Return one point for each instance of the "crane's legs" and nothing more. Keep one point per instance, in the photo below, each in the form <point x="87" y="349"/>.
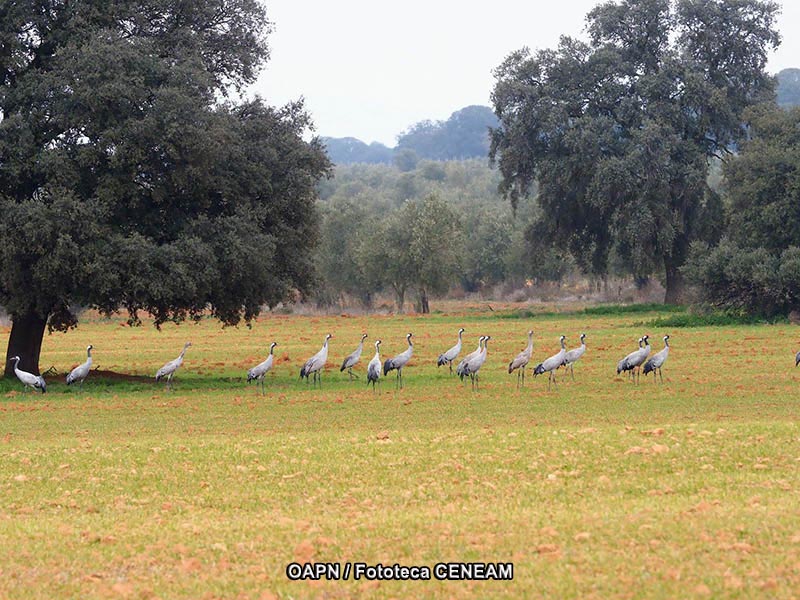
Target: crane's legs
<point x="352" y="375"/>
<point x="660" y="374"/>
<point x="572" y="371"/>
<point x="450" y="364"/>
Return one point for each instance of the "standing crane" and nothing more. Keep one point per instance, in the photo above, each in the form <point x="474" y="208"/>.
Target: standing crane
<point x="462" y="369"/>
<point x="573" y="356"/>
<point x="657" y="361"/>
<point x="352" y="360"/>
<point x="635" y="359"/>
<point x="399" y="361"/>
<point x="449" y="356"/>
<point x="80" y="372"/>
<point x="623" y="365"/>
<point x="316" y="363"/>
<point x="476" y="363"/>
<point x="29" y="380"/>
<point x="168" y="370"/>
<point x="521" y="360"/>
<point x="551" y="364"/>
<point x="374" y="366"/>
<point x="258" y="372"/>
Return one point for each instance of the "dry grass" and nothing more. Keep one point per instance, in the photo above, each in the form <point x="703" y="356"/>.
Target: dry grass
<point x="600" y="489"/>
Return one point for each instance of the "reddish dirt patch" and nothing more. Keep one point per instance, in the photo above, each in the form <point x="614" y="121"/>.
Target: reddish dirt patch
<point x="114" y="376"/>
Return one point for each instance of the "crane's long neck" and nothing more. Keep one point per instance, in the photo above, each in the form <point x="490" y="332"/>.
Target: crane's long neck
<point x="272" y="349"/>
<point x="89" y="352"/>
<point x="530" y="343"/>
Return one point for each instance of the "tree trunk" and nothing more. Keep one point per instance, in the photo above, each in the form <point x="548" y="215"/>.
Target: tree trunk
<point x="676" y="286"/>
<point x="25" y="341"/>
<point x="424" y="306"/>
<point x="400" y="294"/>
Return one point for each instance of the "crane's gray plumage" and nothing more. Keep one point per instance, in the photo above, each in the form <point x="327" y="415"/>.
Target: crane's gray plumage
<point x="258" y="372"/>
<point x="573" y="356"/>
<point x="352" y="360"/>
<point x="449" y="356"/>
<point x="657" y="361"/>
<point x="635" y="359"/>
<point x="29" y="380"/>
<point x="551" y="364"/>
<point x="399" y="361"/>
<point x="168" y="370"/>
<point x="462" y="370"/>
<point x="80" y="372"/>
<point x="474" y="365"/>
<point x="623" y="365"/>
<point x="316" y="363"/>
<point x="374" y="366"/>
<point x="521" y="360"/>
<point x="797" y="359"/>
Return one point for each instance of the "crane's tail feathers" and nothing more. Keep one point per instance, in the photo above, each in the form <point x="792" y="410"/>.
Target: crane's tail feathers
<point x="511" y="367"/>
<point x="441" y="360"/>
<point x="538" y="369"/>
<point x="648" y="367"/>
<point x="388" y="366"/>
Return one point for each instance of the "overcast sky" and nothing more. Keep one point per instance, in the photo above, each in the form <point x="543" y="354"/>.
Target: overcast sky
<point x="369" y="69"/>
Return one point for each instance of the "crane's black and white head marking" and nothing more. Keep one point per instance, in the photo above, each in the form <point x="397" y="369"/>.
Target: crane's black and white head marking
<point x="377" y="343"/>
<point x="583" y="336"/>
<point x="90" y="347"/>
<point x="460" y="331"/>
<point x="272" y="345"/>
<point x="363" y="337"/>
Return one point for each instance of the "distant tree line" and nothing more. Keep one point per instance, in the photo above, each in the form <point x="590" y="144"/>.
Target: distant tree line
<point x="418" y="234"/>
<point x="464" y="135"/>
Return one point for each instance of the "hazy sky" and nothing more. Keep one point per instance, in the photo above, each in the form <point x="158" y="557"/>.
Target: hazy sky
<point x="369" y="69"/>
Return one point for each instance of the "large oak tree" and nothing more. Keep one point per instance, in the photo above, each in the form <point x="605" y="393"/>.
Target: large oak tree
<point x="619" y="130"/>
<point x="130" y="180"/>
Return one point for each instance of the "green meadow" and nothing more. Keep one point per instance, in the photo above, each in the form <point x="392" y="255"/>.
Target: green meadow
<point x="597" y="489"/>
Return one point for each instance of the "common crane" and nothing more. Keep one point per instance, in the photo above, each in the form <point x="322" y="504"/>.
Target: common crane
<point x="462" y="370"/>
<point x="449" y="356"/>
<point x="316" y="363"/>
<point x="168" y="370"/>
<point x="474" y="365"/>
<point x="80" y="372"/>
<point x="521" y="360"/>
<point x="374" y="366"/>
<point x="352" y="360"/>
<point x="635" y="359"/>
<point x="657" y="361"/>
<point x="258" y="372"/>
<point x="551" y="364"/>
<point x="573" y="356"/>
<point x="399" y="361"/>
<point x="29" y="380"/>
<point x="623" y="364"/>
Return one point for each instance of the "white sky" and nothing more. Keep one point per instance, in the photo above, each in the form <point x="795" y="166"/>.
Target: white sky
<point x="369" y="69"/>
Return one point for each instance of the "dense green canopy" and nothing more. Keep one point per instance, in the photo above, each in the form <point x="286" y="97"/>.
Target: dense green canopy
<point x="618" y="131"/>
<point x="130" y="180"/>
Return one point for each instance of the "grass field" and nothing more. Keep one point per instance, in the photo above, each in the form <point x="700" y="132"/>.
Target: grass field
<point x="599" y="489"/>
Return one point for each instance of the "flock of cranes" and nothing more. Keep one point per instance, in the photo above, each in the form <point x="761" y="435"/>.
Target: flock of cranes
<point x="634" y="363"/>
